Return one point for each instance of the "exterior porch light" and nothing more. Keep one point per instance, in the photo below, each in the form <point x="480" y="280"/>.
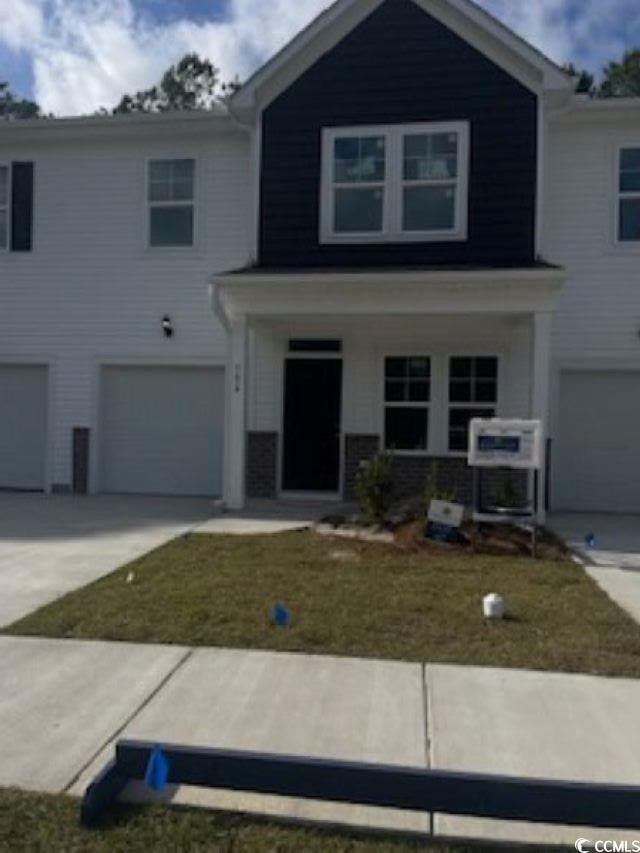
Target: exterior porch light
<point x="167" y="326"/>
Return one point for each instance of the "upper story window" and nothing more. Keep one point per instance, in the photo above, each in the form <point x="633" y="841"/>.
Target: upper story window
<point x="395" y="183"/>
<point x="171" y="195"/>
<point x="4" y="207"/>
<point x="629" y="195"/>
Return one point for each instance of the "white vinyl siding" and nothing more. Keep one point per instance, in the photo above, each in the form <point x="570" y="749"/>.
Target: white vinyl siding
<point x="23" y="426"/>
<point x="597" y="311"/>
<point x="93" y="292"/>
<point x="395" y="183"/>
<point x="161" y="430"/>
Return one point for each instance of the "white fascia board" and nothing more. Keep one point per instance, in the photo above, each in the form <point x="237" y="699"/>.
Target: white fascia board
<point x="303" y="51"/>
<point x="585" y="109"/>
<point x="473" y="24"/>
<point x="392" y="294"/>
<point x="553" y="76"/>
<point x="97" y="127"/>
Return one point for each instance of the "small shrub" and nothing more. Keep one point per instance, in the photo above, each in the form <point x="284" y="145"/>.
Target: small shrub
<point x="433" y="491"/>
<point x="506" y="495"/>
<point x="374" y="487"/>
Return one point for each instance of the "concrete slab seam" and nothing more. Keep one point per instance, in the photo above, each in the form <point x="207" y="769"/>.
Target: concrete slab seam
<point x="111" y="738"/>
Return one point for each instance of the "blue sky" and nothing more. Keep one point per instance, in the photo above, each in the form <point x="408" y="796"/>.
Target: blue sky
<point x="74" y="56"/>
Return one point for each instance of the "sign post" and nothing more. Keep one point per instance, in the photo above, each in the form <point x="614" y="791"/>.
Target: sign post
<point x="515" y="445"/>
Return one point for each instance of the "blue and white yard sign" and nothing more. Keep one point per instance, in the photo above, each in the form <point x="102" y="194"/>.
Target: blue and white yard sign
<point x="443" y="521"/>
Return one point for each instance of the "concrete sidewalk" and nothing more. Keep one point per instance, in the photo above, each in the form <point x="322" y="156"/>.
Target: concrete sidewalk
<point x="65" y="703"/>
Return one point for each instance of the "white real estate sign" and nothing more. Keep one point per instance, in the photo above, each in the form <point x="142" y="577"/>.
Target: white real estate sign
<point x="500" y="443"/>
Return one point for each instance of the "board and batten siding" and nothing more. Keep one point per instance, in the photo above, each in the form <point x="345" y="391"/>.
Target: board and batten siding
<point x="91" y="292"/>
<point x="400" y="65"/>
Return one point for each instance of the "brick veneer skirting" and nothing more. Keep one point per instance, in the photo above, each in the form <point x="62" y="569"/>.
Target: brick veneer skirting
<point x="410" y="472"/>
<point x="262" y="465"/>
<point x="357" y="449"/>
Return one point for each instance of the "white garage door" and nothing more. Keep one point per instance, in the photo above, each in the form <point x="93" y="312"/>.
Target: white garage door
<point x="596" y="456"/>
<point x="23" y="426"/>
<point x="161" y="430"/>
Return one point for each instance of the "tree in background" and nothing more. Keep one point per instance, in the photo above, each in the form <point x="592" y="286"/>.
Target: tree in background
<point x="622" y="79"/>
<point x="585" y="80"/>
<point x="15" y="108"/>
<point x="191" y="84"/>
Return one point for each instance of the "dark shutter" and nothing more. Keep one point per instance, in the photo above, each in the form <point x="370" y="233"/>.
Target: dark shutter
<point x="21" y="206"/>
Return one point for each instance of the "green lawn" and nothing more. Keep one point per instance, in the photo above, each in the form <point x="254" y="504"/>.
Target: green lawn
<point x="351" y="598"/>
<point x="42" y="823"/>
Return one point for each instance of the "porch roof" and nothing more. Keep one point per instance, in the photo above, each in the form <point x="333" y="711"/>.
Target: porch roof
<point x="264" y="292"/>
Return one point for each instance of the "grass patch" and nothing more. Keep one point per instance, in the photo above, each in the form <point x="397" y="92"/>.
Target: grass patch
<point x="353" y="598"/>
<point x="44" y="822"/>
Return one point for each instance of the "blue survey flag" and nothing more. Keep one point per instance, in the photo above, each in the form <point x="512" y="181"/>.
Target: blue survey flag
<point x="157" y="772"/>
<point x="280" y="616"/>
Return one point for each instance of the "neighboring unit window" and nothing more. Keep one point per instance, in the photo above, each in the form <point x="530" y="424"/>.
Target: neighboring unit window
<point x="407" y="394"/>
<point x="171" y="202"/>
<point x="629" y="196"/>
<point x="398" y="182"/>
<point x="473" y="393"/>
<point x="4" y="207"/>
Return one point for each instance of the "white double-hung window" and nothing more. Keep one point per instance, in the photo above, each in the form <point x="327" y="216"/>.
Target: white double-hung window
<point x="171" y="197"/>
<point x="629" y="195"/>
<point x="395" y="183"/>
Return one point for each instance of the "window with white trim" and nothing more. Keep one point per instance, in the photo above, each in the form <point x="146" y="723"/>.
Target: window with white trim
<point x="171" y="194"/>
<point x="473" y="393"/>
<point x="629" y="195"/>
<point x="395" y="183"/>
<point x="4" y="207"/>
<point x="407" y="394"/>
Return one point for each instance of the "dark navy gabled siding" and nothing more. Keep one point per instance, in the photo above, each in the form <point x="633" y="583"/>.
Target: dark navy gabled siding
<point x="401" y="65"/>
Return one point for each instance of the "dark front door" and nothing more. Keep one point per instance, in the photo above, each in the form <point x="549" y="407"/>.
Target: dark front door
<point x="311" y="455"/>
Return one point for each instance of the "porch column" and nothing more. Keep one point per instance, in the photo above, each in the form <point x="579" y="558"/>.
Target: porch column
<point x="541" y="370"/>
<point x="235" y="420"/>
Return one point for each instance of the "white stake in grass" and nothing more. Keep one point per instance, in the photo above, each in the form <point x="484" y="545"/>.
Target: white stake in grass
<point x="493" y="606"/>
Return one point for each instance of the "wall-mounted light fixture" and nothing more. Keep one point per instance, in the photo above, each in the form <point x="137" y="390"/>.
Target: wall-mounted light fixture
<point x="167" y="326"/>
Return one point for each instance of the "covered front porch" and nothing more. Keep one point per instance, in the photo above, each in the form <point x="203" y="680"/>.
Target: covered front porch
<point x="327" y="368"/>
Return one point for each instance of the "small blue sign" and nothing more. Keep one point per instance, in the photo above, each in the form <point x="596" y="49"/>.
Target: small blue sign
<point x="280" y="616"/>
<point x="157" y="772"/>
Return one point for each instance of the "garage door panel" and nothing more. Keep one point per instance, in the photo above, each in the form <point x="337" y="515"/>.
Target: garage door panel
<point x="597" y="449"/>
<point x="162" y="430"/>
<point x="23" y="426"/>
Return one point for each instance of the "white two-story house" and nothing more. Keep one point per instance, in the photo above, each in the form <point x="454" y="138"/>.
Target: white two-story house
<point x="404" y="220"/>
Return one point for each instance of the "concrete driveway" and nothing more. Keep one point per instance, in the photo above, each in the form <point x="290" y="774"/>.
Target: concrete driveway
<point x="50" y="545"/>
<point x="614" y="562"/>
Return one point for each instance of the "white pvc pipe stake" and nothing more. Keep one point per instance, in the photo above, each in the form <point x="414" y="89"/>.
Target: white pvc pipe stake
<point x="493" y="606"/>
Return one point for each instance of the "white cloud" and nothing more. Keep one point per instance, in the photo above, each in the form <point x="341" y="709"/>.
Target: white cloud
<point x="566" y="30"/>
<point x="87" y="53"/>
